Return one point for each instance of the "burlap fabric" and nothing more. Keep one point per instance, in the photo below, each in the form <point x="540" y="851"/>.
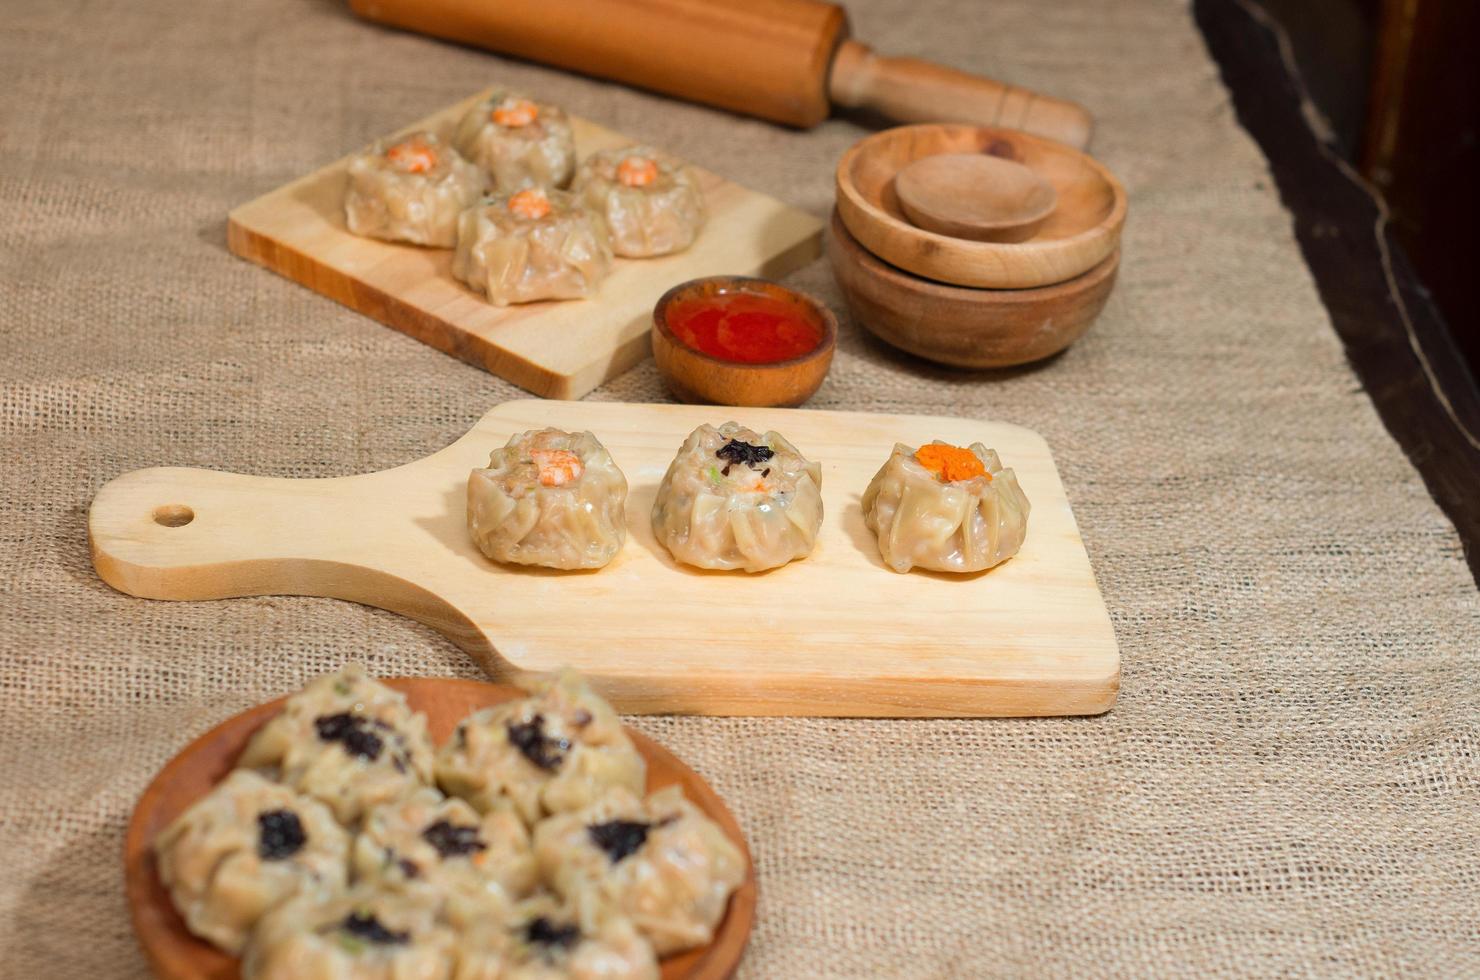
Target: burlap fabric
<point x="1289" y="783"/>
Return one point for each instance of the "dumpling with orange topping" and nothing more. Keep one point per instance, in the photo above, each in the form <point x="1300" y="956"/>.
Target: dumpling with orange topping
<point x="652" y="204"/>
<point x="945" y="508"/>
<point x="411" y="190"/>
<point x="531" y="245"/>
<point x="550" y="498"/>
<point x="518" y="142"/>
<point x="733" y="498"/>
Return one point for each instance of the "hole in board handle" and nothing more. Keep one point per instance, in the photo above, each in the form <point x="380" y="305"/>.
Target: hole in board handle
<point x="173" y="515"/>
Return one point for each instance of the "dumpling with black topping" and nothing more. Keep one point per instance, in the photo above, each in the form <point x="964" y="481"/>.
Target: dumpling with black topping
<point x="478" y="863"/>
<point x="367" y="933"/>
<point x="659" y="862"/>
<point x="546" y="939"/>
<point x="735" y="499"/>
<point x="556" y="750"/>
<point x="243" y="848"/>
<point x="348" y="740"/>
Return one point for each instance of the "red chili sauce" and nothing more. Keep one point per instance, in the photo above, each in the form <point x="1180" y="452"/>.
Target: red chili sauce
<point x="736" y="325"/>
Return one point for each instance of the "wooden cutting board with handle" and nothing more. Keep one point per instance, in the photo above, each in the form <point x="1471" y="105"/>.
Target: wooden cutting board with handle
<point x="835" y="634"/>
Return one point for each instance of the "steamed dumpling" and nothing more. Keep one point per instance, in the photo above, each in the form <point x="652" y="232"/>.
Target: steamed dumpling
<point x="545" y="939"/>
<point x="735" y="499"/>
<point x="652" y="203"/>
<point x="945" y="508"/>
<point x="478" y="864"/>
<point x="660" y="862"/>
<point x="242" y="849"/>
<point x="411" y="190"/>
<point x="549" y="498"/>
<point x="531" y="245"/>
<point x="556" y="750"/>
<point x="518" y="142"/>
<point x="348" y="740"/>
<point x="368" y="933"/>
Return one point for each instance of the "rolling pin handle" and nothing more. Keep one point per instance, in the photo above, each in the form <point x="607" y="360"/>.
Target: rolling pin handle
<point x="910" y="90"/>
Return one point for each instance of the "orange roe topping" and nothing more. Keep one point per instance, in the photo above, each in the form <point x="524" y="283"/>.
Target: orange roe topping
<point x="531" y="204"/>
<point x="413" y="156"/>
<point x="951" y="463"/>
<point x="515" y="113"/>
<point x="637" y="171"/>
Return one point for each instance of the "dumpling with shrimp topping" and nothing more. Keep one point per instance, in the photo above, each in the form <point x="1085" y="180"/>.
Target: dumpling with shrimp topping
<point x="518" y="142"/>
<point x="546" y="939"/>
<point x="652" y="204"/>
<point x="945" y="508"/>
<point x="531" y="245"/>
<point x="369" y="933"/>
<point x="556" y="750"/>
<point x="478" y="864"/>
<point x="347" y="740"/>
<point x="660" y="862"/>
<point x="551" y="498"/>
<point x="243" y="848"/>
<point x="736" y="499"/>
<point x="411" y="190"/>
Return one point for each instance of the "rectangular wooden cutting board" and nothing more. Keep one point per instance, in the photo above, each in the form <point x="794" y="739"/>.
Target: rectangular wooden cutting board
<point x="835" y="634"/>
<point x="558" y="349"/>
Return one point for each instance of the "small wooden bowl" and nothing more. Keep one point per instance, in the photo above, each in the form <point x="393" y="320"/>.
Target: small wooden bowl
<point x="698" y="378"/>
<point x="970" y="328"/>
<point x="176" y="954"/>
<point x="1083" y="230"/>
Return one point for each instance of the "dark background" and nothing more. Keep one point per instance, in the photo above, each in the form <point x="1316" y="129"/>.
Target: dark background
<point x="1368" y="111"/>
<point x="1398" y="83"/>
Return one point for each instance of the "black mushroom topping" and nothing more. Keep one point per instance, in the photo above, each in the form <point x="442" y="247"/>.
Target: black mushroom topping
<point x="619" y="838"/>
<point x="279" y="835"/>
<point x="451" y="840"/>
<point x="543" y="932"/>
<point x="352" y="732"/>
<point x="736" y="451"/>
<point x="544" y="751"/>
<point x="366" y="926"/>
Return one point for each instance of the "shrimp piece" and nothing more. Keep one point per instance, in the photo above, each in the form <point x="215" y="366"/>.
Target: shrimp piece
<point x="637" y="172"/>
<point x="531" y="203"/>
<point x="412" y="156"/>
<point x="515" y="113"/>
<point x="557" y="467"/>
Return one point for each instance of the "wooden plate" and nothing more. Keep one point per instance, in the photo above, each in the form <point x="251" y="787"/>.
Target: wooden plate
<point x="175" y="954"/>
<point x="1083" y="230"/>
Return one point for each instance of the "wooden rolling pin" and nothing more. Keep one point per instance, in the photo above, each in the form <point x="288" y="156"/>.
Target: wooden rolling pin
<point x="785" y="60"/>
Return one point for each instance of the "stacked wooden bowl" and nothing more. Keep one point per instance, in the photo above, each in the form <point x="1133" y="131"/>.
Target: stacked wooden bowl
<point x="961" y="300"/>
